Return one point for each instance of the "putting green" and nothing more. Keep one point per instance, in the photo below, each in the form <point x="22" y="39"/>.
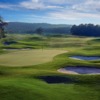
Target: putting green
<point x="28" y="57"/>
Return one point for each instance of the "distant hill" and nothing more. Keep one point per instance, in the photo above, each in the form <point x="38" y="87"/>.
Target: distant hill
<point x="21" y="27"/>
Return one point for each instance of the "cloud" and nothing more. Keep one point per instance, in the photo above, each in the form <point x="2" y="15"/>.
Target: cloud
<point x="32" y="4"/>
<point x="7" y="6"/>
<point x="73" y="15"/>
<point x="62" y="1"/>
<point x="77" y="5"/>
<point x="88" y="6"/>
<point x="89" y="9"/>
<point x="47" y="4"/>
<point x="66" y="9"/>
<point x="4" y="6"/>
<point x="38" y="4"/>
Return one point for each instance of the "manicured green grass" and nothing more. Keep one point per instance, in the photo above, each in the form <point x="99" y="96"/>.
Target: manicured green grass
<point x="28" y="57"/>
<point x="22" y="83"/>
<point x="32" y="89"/>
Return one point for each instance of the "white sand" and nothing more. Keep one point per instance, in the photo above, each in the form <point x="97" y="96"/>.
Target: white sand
<point x="63" y="70"/>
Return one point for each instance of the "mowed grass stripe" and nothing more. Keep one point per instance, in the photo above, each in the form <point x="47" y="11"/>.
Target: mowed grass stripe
<point x="28" y="57"/>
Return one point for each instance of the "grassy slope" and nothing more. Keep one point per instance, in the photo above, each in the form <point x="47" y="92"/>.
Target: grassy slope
<point x="19" y="83"/>
<point x="30" y="89"/>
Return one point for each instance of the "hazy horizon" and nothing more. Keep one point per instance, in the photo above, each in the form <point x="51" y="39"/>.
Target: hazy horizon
<point x="51" y="11"/>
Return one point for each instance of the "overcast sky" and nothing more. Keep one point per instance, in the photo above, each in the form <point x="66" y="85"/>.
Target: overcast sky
<point x="51" y="11"/>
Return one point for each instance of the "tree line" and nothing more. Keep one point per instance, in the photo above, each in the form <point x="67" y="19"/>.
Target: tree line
<point x="2" y="31"/>
<point x="86" y="30"/>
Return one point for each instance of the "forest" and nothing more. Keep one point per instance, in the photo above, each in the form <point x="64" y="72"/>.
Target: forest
<point x="86" y="30"/>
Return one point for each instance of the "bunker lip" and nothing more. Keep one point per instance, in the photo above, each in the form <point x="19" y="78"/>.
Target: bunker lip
<point x="63" y="70"/>
<point x="89" y="58"/>
<point x="80" y="70"/>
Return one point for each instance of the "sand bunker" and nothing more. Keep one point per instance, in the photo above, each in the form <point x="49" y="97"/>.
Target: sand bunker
<point x="86" y="57"/>
<point x="80" y="70"/>
<point x="57" y="79"/>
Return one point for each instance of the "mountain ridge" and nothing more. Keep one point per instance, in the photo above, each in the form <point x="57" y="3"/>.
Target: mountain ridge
<point x="23" y="27"/>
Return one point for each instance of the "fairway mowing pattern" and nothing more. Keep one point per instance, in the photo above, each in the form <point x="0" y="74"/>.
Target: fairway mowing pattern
<point x="28" y="57"/>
